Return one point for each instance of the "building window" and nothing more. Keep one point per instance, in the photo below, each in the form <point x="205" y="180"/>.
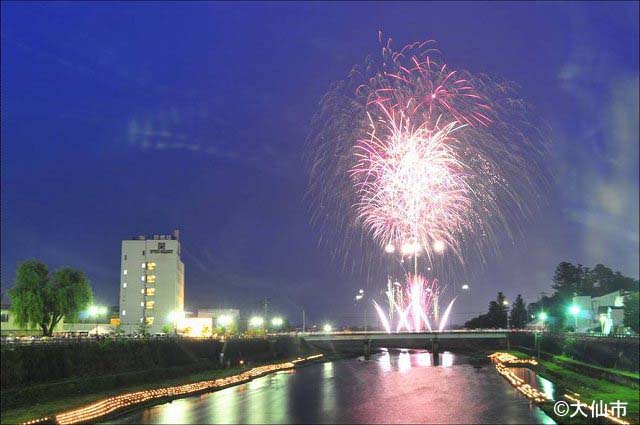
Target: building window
<point x="151" y="278"/>
<point x="143" y="252"/>
<point x="141" y="303"/>
<point x="149" y="305"/>
<point x="124" y="285"/>
<point x="142" y="291"/>
<point x="4" y="317"/>
<point x="143" y="265"/>
<point x="151" y="291"/>
<point x="124" y="312"/>
<point x="124" y="272"/>
<point x="142" y="278"/>
<point x="125" y="257"/>
<point x="161" y="245"/>
<point x="149" y="320"/>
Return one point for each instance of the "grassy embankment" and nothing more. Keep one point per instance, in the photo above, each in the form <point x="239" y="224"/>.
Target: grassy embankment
<point x="578" y="377"/>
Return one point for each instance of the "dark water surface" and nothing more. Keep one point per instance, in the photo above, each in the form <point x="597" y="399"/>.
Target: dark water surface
<point x="394" y="387"/>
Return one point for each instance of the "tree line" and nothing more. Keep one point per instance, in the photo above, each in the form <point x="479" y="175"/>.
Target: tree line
<point x="569" y="280"/>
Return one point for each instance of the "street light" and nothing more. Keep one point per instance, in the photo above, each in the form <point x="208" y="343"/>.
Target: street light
<point x="94" y="312"/>
<point x="465" y="287"/>
<point x="256" y="321"/>
<point x="276" y="322"/>
<point x="506" y="304"/>
<point x="327" y="328"/>
<point x="360" y="296"/>
<point x="542" y="316"/>
<point x="224" y="320"/>
<point x="575" y="311"/>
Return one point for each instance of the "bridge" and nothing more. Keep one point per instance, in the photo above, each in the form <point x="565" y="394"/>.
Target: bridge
<point x="366" y="342"/>
<point x="383" y="336"/>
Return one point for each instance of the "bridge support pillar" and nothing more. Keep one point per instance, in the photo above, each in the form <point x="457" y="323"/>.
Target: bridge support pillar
<point x="224" y="362"/>
<point x="435" y="349"/>
<point x="366" y="347"/>
<point x="272" y="349"/>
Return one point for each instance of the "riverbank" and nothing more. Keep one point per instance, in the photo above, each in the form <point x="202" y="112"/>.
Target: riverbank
<point x="104" y="405"/>
<point x="591" y="383"/>
<point x="69" y="402"/>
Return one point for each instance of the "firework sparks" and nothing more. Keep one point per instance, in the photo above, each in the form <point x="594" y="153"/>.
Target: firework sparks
<point x="413" y="150"/>
<point x="414" y="303"/>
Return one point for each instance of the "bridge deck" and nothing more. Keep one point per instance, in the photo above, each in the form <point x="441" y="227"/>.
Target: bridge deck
<point x="363" y="336"/>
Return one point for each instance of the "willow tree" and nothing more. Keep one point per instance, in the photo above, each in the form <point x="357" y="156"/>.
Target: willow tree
<point x="39" y="300"/>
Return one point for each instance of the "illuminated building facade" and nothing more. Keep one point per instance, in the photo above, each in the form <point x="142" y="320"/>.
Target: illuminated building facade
<point x="151" y="282"/>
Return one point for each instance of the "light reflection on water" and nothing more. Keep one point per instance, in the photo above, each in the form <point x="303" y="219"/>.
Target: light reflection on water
<point x="395" y="386"/>
<point x="537" y="382"/>
<point x="424" y="359"/>
<point x="404" y="361"/>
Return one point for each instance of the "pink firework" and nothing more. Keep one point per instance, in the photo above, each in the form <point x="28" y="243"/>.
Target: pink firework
<point x="415" y="152"/>
<point x="415" y="305"/>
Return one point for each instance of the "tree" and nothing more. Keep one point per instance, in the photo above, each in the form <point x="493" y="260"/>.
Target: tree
<point x="567" y="279"/>
<point x="518" y="314"/>
<point x="39" y="300"/>
<point x="143" y="328"/>
<point x="167" y="329"/>
<point x="631" y="318"/>
<point x="498" y="312"/>
<point x="495" y="318"/>
<point x="480" y="322"/>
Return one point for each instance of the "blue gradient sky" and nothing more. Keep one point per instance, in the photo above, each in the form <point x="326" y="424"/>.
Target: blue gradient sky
<point x="124" y="119"/>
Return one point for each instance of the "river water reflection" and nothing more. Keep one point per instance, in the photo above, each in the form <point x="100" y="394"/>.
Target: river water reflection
<point x="395" y="387"/>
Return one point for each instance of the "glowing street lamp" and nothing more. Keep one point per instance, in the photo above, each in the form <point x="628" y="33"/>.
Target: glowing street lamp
<point x="276" y="322"/>
<point x="327" y="328"/>
<point x="542" y="316"/>
<point x="95" y="311"/>
<point x="505" y="303"/>
<point x="224" y="320"/>
<point x="575" y="311"/>
<point x="175" y="317"/>
<point x="256" y="322"/>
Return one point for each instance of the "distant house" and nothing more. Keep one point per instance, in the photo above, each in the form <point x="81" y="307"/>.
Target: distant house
<point x="604" y="313"/>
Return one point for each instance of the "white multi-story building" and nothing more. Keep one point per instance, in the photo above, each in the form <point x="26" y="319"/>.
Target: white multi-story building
<point x="151" y="282"/>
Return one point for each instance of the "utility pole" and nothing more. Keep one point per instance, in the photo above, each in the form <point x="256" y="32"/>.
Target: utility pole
<point x="303" y="321"/>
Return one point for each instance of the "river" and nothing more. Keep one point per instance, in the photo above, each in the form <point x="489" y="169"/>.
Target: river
<point x="394" y="387"/>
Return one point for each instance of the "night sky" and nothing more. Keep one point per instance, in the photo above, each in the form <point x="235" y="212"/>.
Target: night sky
<point x="126" y="119"/>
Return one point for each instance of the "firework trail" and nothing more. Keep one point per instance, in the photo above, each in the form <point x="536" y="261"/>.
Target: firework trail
<point x="408" y="149"/>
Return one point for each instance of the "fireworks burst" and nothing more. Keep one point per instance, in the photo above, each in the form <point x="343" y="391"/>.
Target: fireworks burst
<point x="414" y="302"/>
<point x="414" y="152"/>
